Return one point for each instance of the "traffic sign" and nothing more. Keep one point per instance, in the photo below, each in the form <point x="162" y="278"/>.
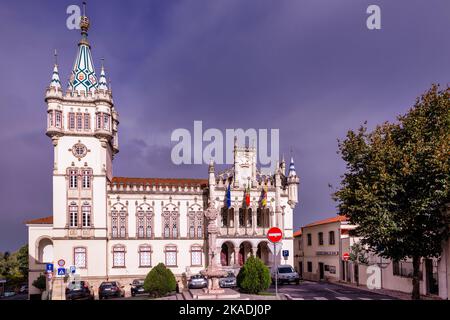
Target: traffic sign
<point x="274" y="234"/>
<point x="73" y="269"/>
<point x="278" y="246"/>
<point x="346" y="256"/>
<point x="285" y="253"/>
<point x="49" y="267"/>
<point x="61" y="271"/>
<point x="61" y="262"/>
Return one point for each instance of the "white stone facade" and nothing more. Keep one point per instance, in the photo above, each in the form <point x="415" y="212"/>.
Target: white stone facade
<point x="116" y="228"/>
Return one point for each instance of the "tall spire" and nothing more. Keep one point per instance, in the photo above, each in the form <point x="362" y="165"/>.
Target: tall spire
<point x="292" y="168"/>
<point x="55" y="83"/>
<point x="83" y="76"/>
<point x="102" y="84"/>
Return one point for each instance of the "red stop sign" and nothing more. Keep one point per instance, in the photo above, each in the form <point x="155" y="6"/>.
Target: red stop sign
<point x="346" y="256"/>
<point x="274" y="234"/>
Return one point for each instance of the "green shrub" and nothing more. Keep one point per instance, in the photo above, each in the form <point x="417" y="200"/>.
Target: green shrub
<point x="254" y="276"/>
<point x="40" y="283"/>
<point x="160" y="281"/>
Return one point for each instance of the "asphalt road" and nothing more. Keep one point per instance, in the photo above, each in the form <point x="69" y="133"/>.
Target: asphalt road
<point x="307" y="290"/>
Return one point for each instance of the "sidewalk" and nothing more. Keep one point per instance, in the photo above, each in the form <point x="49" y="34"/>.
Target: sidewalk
<point x="395" y="294"/>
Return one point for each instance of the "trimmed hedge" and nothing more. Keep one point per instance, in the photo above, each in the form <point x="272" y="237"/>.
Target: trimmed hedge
<point x="254" y="276"/>
<point x="160" y="281"/>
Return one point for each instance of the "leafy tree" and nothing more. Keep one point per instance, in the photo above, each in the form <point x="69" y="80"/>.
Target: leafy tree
<point x="254" y="276"/>
<point x="40" y="283"/>
<point x="160" y="281"/>
<point x="397" y="182"/>
<point x="358" y="254"/>
<point x="22" y="261"/>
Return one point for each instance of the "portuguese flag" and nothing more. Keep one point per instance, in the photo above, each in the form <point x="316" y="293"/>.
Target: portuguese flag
<point x="247" y="196"/>
<point x="264" y="199"/>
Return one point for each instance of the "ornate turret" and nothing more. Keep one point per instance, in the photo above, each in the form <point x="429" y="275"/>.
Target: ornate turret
<point x="211" y="180"/>
<point x="83" y="78"/>
<point x="102" y="84"/>
<point x="55" y="83"/>
<point x="293" y="182"/>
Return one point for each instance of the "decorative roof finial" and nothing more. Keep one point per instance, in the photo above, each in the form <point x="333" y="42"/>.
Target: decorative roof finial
<point x="84" y="26"/>
<point x="55" y="83"/>
<point x="102" y="85"/>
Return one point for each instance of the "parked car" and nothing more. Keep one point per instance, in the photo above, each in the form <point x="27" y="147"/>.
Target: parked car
<point x="23" y="288"/>
<point x="137" y="287"/>
<point x="79" y="290"/>
<point x="110" y="289"/>
<point x="229" y="281"/>
<point x="197" y="281"/>
<point x="286" y="274"/>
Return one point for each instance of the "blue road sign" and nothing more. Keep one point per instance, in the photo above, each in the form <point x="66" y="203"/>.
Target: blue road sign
<point x="49" y="267"/>
<point x="73" y="269"/>
<point x="285" y="253"/>
<point x="61" y="271"/>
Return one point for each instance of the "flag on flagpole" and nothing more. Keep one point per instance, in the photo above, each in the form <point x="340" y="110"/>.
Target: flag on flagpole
<point x="229" y="195"/>
<point x="264" y="199"/>
<point x="247" y="196"/>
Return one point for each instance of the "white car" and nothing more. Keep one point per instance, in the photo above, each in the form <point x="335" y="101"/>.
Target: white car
<point x="286" y="274"/>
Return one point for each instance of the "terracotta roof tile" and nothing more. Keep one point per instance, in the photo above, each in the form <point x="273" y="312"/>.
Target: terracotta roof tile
<point x="46" y="220"/>
<point x="328" y="220"/>
<point x="161" y="181"/>
<point x="298" y="233"/>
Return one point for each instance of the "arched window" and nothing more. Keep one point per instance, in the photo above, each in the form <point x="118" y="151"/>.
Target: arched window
<point x="144" y="221"/>
<point x="114" y="224"/>
<point x="195" y="223"/>
<point x="145" y="256"/>
<point x="122" y="224"/>
<point x="119" y="256"/>
<point x="119" y="221"/>
<point x="80" y="257"/>
<point x="170" y="224"/>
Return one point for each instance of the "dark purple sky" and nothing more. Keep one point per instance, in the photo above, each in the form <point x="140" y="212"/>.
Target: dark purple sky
<point x="308" y="67"/>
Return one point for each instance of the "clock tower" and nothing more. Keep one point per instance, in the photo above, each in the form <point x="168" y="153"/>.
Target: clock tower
<point x="82" y="123"/>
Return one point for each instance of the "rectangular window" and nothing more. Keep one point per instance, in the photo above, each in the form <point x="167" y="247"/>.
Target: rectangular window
<point x="171" y="256"/>
<point x="114" y="227"/>
<point x="99" y="120"/>
<point x="331" y="239"/>
<point x="123" y="226"/>
<point x="50" y="119"/>
<point x="309" y="266"/>
<point x="196" y="257"/>
<point x="119" y="257"/>
<point x="141" y="227"/>
<point x="79" y="121"/>
<point x="73" y="179"/>
<point x="309" y="239"/>
<point x="145" y="255"/>
<point x="73" y="216"/>
<point x="71" y="121"/>
<point x="320" y="238"/>
<point x="106" y="122"/>
<point x="86" y="212"/>
<point x="87" y="121"/>
<point x="86" y="179"/>
<point x="79" y="257"/>
<point x="58" y="118"/>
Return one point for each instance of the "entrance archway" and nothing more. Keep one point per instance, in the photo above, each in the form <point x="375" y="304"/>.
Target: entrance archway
<point x="245" y="250"/>
<point x="226" y="252"/>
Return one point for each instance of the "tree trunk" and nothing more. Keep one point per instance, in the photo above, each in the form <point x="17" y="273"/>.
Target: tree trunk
<point x="416" y="279"/>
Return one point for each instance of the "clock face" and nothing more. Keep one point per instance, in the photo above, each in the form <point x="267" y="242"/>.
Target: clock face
<point x="79" y="150"/>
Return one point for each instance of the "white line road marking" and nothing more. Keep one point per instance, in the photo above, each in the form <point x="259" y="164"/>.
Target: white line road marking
<point x="343" y="298"/>
<point x="331" y="290"/>
<point x="320" y="298"/>
<point x="365" y="299"/>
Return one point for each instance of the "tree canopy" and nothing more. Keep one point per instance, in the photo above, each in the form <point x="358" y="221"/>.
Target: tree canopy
<point x="397" y="182"/>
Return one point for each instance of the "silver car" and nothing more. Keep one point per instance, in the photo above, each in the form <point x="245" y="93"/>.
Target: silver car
<point x="229" y="281"/>
<point x="286" y="274"/>
<point x="198" y="282"/>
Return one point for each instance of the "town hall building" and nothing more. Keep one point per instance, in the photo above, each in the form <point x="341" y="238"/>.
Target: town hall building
<point x="118" y="228"/>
